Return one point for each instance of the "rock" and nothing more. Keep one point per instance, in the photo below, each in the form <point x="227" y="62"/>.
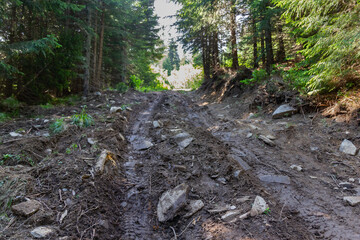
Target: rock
<point x="129" y="109"/>
<point x="313" y="149"/>
<point x="46" y="120"/>
<point x="42" y="232"/>
<point x="283" y="110"/>
<point x="271" y="137"/>
<point x="97" y="93"/>
<point x="266" y="140"/>
<point x="46" y="134"/>
<point x="184" y="143"/>
<point x="156" y="124"/>
<point x="237" y="173"/>
<point x="181" y="135"/>
<point x="26" y="208"/>
<point x="193" y="207"/>
<point x="230" y="216"/>
<point x="352" y="200"/>
<point x="221" y="180"/>
<point x="259" y="206"/>
<point x="48" y="151"/>
<point x="143" y="145"/>
<point x="347" y="147"/>
<point x="240" y="161"/>
<point x="249" y="135"/>
<point x="180" y="167"/>
<point x="346" y="185"/>
<point x="296" y="167"/>
<point x="171" y="202"/>
<point x="91" y="141"/>
<point x="352" y="180"/>
<point x="14" y="134"/>
<point x="275" y="179"/>
<point x="115" y="109"/>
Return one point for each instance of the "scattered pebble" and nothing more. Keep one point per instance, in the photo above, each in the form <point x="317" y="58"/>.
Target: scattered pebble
<point x="42" y="232"/>
<point x="296" y="167"/>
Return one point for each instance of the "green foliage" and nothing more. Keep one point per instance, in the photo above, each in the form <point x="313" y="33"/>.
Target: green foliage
<point x="172" y="61"/>
<point x="4" y="117"/>
<point x="196" y="82"/>
<point x="329" y="31"/>
<point x="135" y="82"/>
<point x="47" y="106"/>
<point x="71" y="149"/>
<point x="11" y="105"/>
<point x="297" y="78"/>
<point x="257" y="76"/>
<point x="17" y="158"/>
<point x="58" y="126"/>
<point x="82" y="119"/>
<point x="122" y="87"/>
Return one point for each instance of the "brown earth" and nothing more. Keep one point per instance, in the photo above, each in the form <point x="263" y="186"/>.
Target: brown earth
<point x="121" y="203"/>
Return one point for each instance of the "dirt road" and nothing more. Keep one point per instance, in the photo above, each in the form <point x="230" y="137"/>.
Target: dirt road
<point x="175" y="138"/>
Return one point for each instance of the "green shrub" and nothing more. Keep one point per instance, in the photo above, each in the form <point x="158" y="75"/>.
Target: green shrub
<point x="122" y="87"/>
<point x="4" y="117"/>
<point x="257" y="76"/>
<point x="82" y="119"/>
<point x="195" y="82"/>
<point x="46" y="106"/>
<point x="297" y="79"/>
<point x="12" y="105"/>
<point x="58" y="126"/>
<point x="136" y="82"/>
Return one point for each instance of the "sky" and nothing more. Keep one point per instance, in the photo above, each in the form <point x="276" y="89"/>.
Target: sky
<point x="164" y="9"/>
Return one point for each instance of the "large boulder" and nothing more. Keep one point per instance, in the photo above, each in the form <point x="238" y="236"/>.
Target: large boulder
<point x="171" y="202"/>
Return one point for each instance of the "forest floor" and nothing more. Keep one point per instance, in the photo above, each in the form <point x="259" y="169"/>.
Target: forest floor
<point x="161" y="140"/>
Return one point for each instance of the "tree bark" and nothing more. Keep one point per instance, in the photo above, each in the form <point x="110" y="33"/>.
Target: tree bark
<point x="263" y="55"/>
<point x="269" y="47"/>
<point x="87" y="55"/>
<point x="280" y="56"/>
<point x="234" y="53"/>
<point x="101" y="45"/>
<point x="255" y="39"/>
<point x="205" y="54"/>
<point x="95" y="55"/>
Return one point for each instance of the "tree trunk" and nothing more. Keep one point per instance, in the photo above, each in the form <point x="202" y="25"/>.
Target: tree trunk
<point x="206" y="66"/>
<point x="280" y="56"/>
<point x="255" y="39"/>
<point x="101" y="43"/>
<point x="234" y="53"/>
<point x="87" y="54"/>
<point x="95" y="56"/>
<point x="263" y="56"/>
<point x="9" y="82"/>
<point x="215" y="51"/>
<point x="268" y="43"/>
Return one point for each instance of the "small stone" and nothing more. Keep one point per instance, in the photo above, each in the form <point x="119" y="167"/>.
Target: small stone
<point x="184" y="143"/>
<point x="296" y="167"/>
<point x="46" y="134"/>
<point x="313" y="149"/>
<point x="115" y="109"/>
<point x="240" y="161"/>
<point x="259" y="206"/>
<point x="46" y="120"/>
<point x="346" y="185"/>
<point x="230" y="216"/>
<point x="221" y="180"/>
<point x="275" y="179"/>
<point x="26" y="208"/>
<point x="180" y="167"/>
<point x="237" y="173"/>
<point x="104" y="223"/>
<point x="193" y="207"/>
<point x="156" y="124"/>
<point x="352" y="180"/>
<point x="271" y="137"/>
<point x="129" y="109"/>
<point x="112" y="102"/>
<point x="182" y="135"/>
<point x="42" y="232"/>
<point x="97" y="93"/>
<point x="143" y="145"/>
<point x="352" y="200"/>
<point x="171" y="202"/>
<point x="14" y="134"/>
<point x="91" y="141"/>
<point x="249" y="135"/>
<point x="48" y="151"/>
<point x="347" y="147"/>
<point x="123" y="204"/>
<point x="266" y="140"/>
<point x="283" y="110"/>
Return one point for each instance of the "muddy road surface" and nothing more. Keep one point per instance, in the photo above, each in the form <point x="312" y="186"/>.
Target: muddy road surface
<point x="179" y="168"/>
